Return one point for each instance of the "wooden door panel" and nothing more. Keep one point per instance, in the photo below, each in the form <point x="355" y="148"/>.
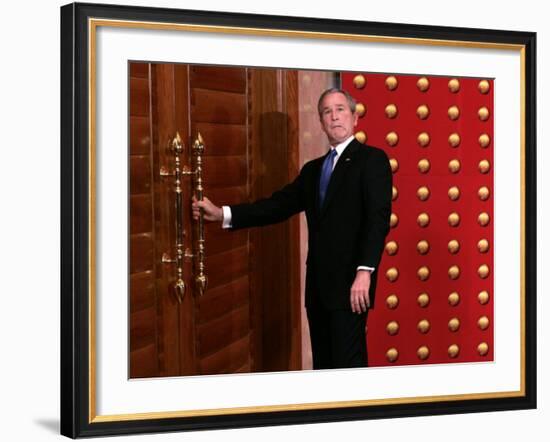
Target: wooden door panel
<point x="232" y="359"/>
<point x="140" y="70"/>
<point x="223" y="331"/>
<point x="140" y="136"/>
<point x="226" y="267"/>
<point x="225" y="139"/>
<point x="209" y="106"/>
<point x="229" y="195"/>
<point x="143" y="360"/>
<point x="139" y="91"/>
<point x="246" y="368"/>
<point x="225" y="171"/>
<point x="221" y="241"/>
<point x="226" y="79"/>
<point x="219" y="113"/>
<point x="176" y="351"/>
<point x="142" y="210"/>
<point x="218" y="301"/>
<point x="143" y="295"/>
<point x="143" y="328"/>
<point x="141" y="252"/>
<point x="140" y="174"/>
<point x="168" y="326"/>
<point x="276" y="273"/>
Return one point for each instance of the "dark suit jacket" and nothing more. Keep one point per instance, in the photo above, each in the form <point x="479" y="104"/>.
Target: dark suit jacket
<point x="348" y="231"/>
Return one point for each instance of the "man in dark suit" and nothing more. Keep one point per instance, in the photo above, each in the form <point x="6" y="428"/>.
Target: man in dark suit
<point x="346" y="195"/>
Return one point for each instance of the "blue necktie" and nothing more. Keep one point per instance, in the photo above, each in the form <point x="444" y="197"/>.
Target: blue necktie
<point x="325" y="176"/>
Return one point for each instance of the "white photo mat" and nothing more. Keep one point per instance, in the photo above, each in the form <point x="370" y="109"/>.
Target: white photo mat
<point x="115" y="394"/>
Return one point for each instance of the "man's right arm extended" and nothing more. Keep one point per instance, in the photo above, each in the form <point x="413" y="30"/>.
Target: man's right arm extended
<point x="278" y="207"/>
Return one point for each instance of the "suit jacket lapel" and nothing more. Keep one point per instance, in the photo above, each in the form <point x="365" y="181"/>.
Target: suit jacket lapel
<point x="338" y="174"/>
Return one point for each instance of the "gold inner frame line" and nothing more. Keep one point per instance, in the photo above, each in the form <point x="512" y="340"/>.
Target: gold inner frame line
<point x="299" y="34"/>
<point x="93" y="24"/>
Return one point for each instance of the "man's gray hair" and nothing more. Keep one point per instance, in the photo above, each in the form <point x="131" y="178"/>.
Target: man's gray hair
<point x="334" y="90"/>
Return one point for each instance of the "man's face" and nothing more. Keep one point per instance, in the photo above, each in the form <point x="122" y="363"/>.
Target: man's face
<point x="336" y="118"/>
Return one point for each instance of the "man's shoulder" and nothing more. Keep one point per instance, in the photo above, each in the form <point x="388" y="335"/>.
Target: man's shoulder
<point x="312" y="163"/>
<point x="371" y="153"/>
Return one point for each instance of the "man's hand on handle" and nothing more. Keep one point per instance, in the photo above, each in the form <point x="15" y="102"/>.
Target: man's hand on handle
<point x="359" y="296"/>
<point x="211" y="211"/>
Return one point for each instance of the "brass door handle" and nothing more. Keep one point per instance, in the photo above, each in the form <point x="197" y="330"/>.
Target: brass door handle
<point x="176" y="146"/>
<point x="201" y="280"/>
<point x="179" y="290"/>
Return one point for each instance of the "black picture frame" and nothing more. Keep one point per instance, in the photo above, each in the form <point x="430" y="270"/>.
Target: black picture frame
<point x="77" y="403"/>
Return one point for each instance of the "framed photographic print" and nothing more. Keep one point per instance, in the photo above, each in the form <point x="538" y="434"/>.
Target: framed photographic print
<point x="206" y="248"/>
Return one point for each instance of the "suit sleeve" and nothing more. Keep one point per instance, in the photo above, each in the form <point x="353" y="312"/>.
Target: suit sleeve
<point x="281" y="205"/>
<point x="377" y="196"/>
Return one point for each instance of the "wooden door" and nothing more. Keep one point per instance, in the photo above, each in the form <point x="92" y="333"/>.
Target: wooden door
<point x="144" y="333"/>
<point x="229" y="328"/>
<point x="218" y="110"/>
